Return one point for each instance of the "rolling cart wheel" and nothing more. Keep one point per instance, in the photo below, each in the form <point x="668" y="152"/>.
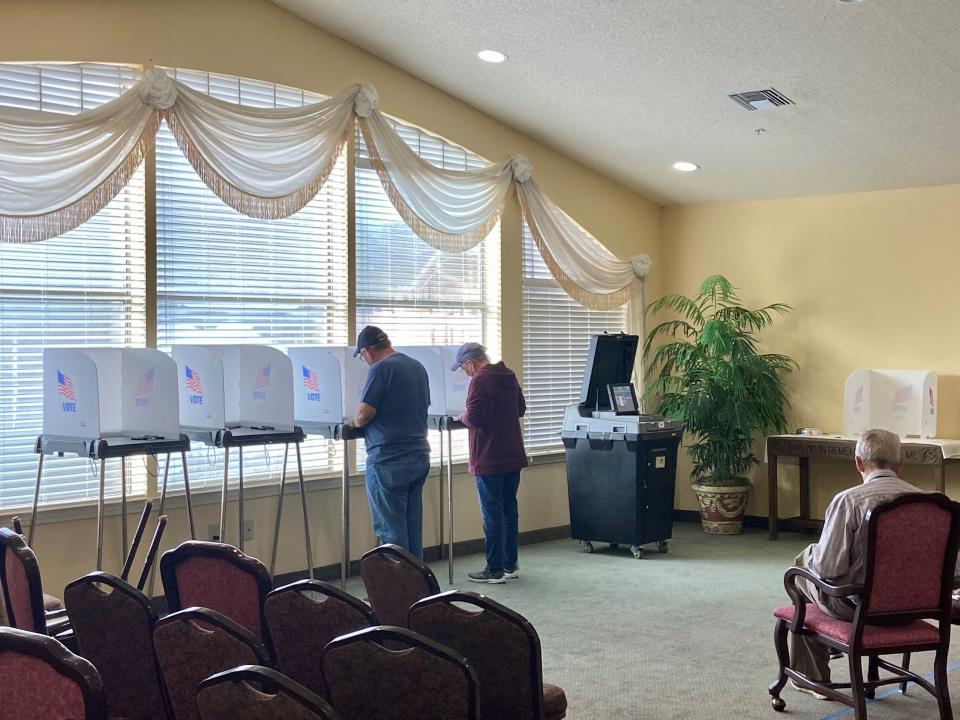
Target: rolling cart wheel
<point x="587" y="546"/>
<point x="637" y="551"/>
<point x="614" y="546"/>
<point x="662" y="547"/>
<point x="778" y="704"/>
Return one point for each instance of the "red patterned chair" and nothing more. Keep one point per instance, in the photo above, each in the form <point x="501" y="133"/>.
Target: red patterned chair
<point x="24" y="602"/>
<point x="42" y="680"/>
<point x="395" y="580"/>
<point x="219" y="577"/>
<point x="113" y="625"/>
<point x="193" y="644"/>
<point x="910" y="559"/>
<point x="252" y="692"/>
<point x="390" y="673"/>
<point x="303" y="617"/>
<point x="502" y="647"/>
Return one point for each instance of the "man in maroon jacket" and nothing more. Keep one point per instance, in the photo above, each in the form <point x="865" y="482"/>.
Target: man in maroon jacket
<point x="495" y="404"/>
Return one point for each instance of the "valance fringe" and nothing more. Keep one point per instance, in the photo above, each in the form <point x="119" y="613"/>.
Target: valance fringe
<point x="20" y="229"/>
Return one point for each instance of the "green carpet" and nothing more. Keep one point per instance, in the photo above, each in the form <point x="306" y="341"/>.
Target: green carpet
<point x="684" y="635"/>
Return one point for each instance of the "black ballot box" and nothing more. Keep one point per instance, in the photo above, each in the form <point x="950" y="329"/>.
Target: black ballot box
<point x="621" y="465"/>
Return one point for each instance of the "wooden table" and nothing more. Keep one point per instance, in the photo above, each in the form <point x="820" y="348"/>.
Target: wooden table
<point x="804" y="447"/>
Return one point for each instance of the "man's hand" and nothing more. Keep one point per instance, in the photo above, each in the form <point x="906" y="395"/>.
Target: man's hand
<point x="365" y="414"/>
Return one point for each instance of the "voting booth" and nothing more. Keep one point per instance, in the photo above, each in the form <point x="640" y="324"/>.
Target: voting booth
<point x="621" y="465"/>
<point x="902" y="401"/>
<point x="103" y="403"/>
<point x="234" y="396"/>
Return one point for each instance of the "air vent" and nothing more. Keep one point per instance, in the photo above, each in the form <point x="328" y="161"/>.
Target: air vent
<point x="761" y="99"/>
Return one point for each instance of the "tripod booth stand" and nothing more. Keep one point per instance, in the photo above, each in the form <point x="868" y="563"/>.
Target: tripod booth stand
<point x="326" y="391"/>
<point x="235" y="396"/>
<point x="448" y="401"/>
<point x="103" y="403"/>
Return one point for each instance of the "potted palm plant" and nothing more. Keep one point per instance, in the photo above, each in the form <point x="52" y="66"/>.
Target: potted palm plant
<point x="707" y="373"/>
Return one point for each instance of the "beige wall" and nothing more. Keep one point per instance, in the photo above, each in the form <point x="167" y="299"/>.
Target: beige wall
<point x="872" y="280"/>
<point x="253" y="38"/>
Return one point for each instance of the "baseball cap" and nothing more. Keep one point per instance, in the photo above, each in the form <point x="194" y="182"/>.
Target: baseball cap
<point x="468" y="351"/>
<point x="368" y="337"/>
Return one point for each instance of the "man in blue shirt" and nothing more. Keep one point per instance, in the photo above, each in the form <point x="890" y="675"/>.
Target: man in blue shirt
<point x="393" y="413"/>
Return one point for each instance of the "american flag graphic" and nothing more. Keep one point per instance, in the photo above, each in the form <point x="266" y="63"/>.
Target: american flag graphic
<point x="65" y="387"/>
<point x="903" y="394"/>
<point x="193" y="380"/>
<point x="310" y="379"/>
<point x="263" y="378"/>
<point x="146" y="383"/>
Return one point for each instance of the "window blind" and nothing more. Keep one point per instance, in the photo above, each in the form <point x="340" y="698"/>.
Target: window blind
<point x="85" y="287"/>
<point x="416" y="294"/>
<point x="556" y="338"/>
<point x="225" y="278"/>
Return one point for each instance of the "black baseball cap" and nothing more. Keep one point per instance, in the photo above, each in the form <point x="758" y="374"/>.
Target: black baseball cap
<point x="368" y="337"/>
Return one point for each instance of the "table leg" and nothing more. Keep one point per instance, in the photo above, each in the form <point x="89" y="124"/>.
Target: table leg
<point x="345" y="516"/>
<point x="774" y="513"/>
<point x="942" y="478"/>
<point x="804" y="487"/>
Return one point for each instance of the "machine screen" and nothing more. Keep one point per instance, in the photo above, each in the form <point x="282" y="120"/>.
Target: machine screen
<point x="623" y="399"/>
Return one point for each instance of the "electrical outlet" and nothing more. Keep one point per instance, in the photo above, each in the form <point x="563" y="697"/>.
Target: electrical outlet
<point x="213" y="533"/>
<point x="248" y="529"/>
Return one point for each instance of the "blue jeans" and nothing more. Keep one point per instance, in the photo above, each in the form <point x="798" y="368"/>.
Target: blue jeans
<point x="498" y="505"/>
<point x="395" y="493"/>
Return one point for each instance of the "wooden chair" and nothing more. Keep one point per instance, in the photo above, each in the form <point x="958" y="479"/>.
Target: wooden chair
<point x="910" y="559"/>
<point x="42" y="680"/>
<point x="113" y="625"/>
<point x="252" y="692"/>
<point x="218" y="577"/>
<point x="303" y="617"/>
<point x="501" y="646"/>
<point x="395" y="580"/>
<point x="420" y="679"/>
<point x="193" y="644"/>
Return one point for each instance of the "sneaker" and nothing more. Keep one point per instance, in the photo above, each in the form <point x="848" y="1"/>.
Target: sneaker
<point x="808" y="691"/>
<point x="512" y="574"/>
<point x="494" y="578"/>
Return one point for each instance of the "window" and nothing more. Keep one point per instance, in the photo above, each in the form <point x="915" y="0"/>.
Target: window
<point x="416" y="294"/>
<point x="556" y="337"/>
<point x="223" y="277"/>
<point x="85" y="287"/>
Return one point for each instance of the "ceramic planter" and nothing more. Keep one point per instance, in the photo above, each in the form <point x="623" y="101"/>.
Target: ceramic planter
<point x="722" y="508"/>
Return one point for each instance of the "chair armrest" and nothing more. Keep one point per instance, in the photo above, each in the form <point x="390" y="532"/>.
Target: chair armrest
<point x="800" y="601"/>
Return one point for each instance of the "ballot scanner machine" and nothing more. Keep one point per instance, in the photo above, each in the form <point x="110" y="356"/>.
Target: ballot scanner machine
<point x="621" y="465"/>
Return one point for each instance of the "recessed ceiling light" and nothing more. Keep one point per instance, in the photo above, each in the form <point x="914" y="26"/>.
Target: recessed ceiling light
<point x="851" y="2"/>
<point x="492" y="56"/>
<point x="684" y="166"/>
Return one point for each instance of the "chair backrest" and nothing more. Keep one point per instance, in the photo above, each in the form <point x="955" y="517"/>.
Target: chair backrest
<point x="911" y="556"/>
<point x="20" y="583"/>
<point x="218" y="577"/>
<point x="40" y="679"/>
<point x="253" y="692"/>
<point x="395" y="580"/>
<point x="500" y="645"/>
<point x="413" y="678"/>
<point x="193" y="644"/>
<point x="303" y="617"/>
<point x="113" y="625"/>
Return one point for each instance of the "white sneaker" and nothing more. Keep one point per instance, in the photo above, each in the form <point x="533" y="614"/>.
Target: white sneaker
<point x="808" y="691"/>
<point x="512" y="575"/>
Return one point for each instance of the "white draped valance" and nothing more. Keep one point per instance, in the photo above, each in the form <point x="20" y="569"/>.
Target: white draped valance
<point x="57" y="171"/>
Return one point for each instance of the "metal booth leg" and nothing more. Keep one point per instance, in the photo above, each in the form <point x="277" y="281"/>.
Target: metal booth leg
<point x="306" y="518"/>
<point x="345" y="519"/>
<point x="223" y="495"/>
<point x="186" y="491"/>
<point x="163" y="502"/>
<point x="123" y="510"/>
<point x="103" y="476"/>
<point x="440" y="521"/>
<point x="449" y="504"/>
<point x="276" y="527"/>
<point x="36" y="500"/>
<point x="240" y="498"/>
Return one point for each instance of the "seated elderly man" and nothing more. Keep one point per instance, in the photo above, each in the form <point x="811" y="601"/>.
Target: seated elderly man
<point x="839" y="555"/>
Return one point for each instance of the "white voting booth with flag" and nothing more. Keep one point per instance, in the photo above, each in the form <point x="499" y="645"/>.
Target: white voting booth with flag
<point x="901" y="401"/>
<point x="105" y="403"/>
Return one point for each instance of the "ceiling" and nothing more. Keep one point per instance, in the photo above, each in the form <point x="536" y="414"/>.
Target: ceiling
<point x="630" y="86"/>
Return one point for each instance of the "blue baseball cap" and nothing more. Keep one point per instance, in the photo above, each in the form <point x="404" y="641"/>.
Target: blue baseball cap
<point x="468" y="351"/>
<point x="368" y="337"/>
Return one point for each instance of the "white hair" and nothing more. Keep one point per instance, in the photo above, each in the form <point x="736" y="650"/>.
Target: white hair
<point x="879" y="449"/>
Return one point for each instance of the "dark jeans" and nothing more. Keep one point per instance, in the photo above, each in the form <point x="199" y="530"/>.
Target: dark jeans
<point x="498" y="505"/>
<point x="395" y="493"/>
